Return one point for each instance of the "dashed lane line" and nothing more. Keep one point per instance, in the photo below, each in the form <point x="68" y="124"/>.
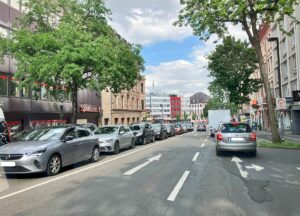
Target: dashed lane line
<point x="195" y="156"/>
<point x="179" y="185"/>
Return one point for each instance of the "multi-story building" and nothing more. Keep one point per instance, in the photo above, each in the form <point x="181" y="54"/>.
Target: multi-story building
<point x="175" y="102"/>
<point x="24" y="108"/>
<point x="197" y="103"/>
<point x="185" y="107"/>
<point x="158" y="106"/>
<point x="126" y="107"/>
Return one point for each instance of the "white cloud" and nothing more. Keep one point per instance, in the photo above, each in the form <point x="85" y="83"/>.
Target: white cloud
<point x="147" y="22"/>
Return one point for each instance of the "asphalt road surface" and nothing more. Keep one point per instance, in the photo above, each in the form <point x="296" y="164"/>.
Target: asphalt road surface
<point x="178" y="176"/>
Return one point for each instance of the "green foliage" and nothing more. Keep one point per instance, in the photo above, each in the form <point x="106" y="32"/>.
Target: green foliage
<point x="194" y="116"/>
<point x="69" y="43"/>
<point x="178" y="117"/>
<point x="230" y="66"/>
<point x="185" y="116"/>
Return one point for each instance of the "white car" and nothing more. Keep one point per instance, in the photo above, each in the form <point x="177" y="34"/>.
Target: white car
<point x="114" y="138"/>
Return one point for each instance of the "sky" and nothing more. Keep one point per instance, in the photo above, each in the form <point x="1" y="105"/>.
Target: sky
<point x="175" y="59"/>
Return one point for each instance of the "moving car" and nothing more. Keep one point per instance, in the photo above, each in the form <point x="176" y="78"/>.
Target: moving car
<point x="114" y="138"/>
<point x="201" y="127"/>
<point x="170" y="129"/>
<point x="235" y="136"/>
<point x="160" y="131"/>
<point x="49" y="149"/>
<point x="178" y="129"/>
<point x="143" y="132"/>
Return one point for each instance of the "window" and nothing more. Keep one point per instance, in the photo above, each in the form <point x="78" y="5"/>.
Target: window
<point x="142" y="104"/>
<point x="285" y="90"/>
<point x="284" y="70"/>
<point x="292" y="40"/>
<point x="83" y="133"/>
<point x="3" y="84"/>
<point x="283" y="48"/>
<point x="44" y="93"/>
<point x="293" y="65"/>
<point x="14" y="89"/>
<point x="25" y="92"/>
<point x="294" y="85"/>
<point x="142" y="87"/>
<point x="71" y="133"/>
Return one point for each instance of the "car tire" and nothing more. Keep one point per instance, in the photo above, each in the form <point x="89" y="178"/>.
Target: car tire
<point x="253" y="154"/>
<point x="95" y="155"/>
<point x="144" y="141"/>
<point x="218" y="153"/>
<point x="116" y="148"/>
<point x="132" y="146"/>
<point x="153" y="139"/>
<point x="54" y="165"/>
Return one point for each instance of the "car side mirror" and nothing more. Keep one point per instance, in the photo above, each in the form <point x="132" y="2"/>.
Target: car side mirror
<point x="68" y="138"/>
<point x="121" y="132"/>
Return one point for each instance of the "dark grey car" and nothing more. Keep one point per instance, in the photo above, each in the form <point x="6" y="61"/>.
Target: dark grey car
<point x="49" y="149"/>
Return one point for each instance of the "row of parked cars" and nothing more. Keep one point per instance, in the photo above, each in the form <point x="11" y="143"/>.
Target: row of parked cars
<point x="48" y="150"/>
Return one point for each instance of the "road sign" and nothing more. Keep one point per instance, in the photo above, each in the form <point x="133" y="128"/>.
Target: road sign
<point x="280" y="103"/>
<point x="296" y="95"/>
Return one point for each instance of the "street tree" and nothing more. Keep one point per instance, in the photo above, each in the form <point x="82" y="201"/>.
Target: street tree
<point x="185" y="116"/>
<point x="230" y="65"/>
<point x="194" y="116"/>
<point x="178" y="117"/>
<point x="68" y="45"/>
<point x="212" y="17"/>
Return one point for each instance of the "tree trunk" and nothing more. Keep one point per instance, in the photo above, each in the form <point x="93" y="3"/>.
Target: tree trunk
<point x="74" y="103"/>
<point x="264" y="76"/>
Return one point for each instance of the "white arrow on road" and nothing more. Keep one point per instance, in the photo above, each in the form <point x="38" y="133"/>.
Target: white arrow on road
<point x="237" y="161"/>
<point x="137" y="168"/>
<point x="256" y="167"/>
<point x="298" y="168"/>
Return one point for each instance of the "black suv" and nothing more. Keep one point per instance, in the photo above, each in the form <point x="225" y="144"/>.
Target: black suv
<point x="143" y="133"/>
<point x="170" y="129"/>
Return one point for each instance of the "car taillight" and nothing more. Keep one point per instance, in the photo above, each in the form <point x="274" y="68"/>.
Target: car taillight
<point x="253" y="136"/>
<point x="219" y="137"/>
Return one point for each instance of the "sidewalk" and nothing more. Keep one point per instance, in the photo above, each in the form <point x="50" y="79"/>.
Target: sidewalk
<point x="288" y="136"/>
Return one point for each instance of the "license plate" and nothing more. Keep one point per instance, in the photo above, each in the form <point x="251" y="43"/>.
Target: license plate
<point x="237" y="139"/>
<point x="7" y="164"/>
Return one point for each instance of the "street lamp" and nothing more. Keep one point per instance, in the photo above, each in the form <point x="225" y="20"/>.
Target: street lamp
<point x="275" y="39"/>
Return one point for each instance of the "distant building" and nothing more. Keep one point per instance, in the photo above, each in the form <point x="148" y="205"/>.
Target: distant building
<point x="158" y="106"/>
<point x="185" y="107"/>
<point x="197" y="103"/>
<point x="126" y="107"/>
<point x="175" y="102"/>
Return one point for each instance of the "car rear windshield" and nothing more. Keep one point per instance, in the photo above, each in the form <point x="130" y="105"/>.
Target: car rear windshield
<point x="136" y="127"/>
<point x="235" y="128"/>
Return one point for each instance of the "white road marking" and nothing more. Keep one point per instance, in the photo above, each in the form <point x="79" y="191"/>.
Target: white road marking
<point x="137" y="168"/>
<point x="265" y="140"/>
<point x="195" y="156"/>
<point x="202" y="145"/>
<point x="298" y="168"/>
<point x="236" y="160"/>
<point x="177" y="188"/>
<point x="256" y="167"/>
<point x="195" y="134"/>
<point x="205" y="140"/>
<point x="79" y="171"/>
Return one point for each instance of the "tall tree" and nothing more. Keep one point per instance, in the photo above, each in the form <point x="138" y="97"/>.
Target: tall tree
<point x="230" y="66"/>
<point x="211" y="17"/>
<point x="185" y="116"/>
<point x="69" y="43"/>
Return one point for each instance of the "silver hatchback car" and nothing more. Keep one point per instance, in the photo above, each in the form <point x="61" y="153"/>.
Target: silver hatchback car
<point x="235" y="136"/>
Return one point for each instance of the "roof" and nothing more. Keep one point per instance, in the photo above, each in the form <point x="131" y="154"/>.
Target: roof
<point x="199" y="97"/>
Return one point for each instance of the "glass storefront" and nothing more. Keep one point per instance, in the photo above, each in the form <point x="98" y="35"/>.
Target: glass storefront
<point x="3" y="84"/>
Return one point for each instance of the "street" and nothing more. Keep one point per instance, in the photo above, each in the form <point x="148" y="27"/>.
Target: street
<point x="178" y="176"/>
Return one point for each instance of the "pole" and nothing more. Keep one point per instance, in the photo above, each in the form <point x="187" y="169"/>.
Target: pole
<point x="278" y="67"/>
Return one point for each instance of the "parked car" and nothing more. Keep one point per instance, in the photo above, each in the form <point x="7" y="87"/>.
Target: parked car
<point x="184" y="128"/>
<point x="49" y="149"/>
<point x="160" y="131"/>
<point x="114" y="138"/>
<point x="143" y="132"/>
<point x="190" y="127"/>
<point x="178" y="129"/>
<point x="201" y="127"/>
<point x="170" y="129"/>
<point x="235" y="136"/>
<point x="91" y="126"/>
<point x="4" y="130"/>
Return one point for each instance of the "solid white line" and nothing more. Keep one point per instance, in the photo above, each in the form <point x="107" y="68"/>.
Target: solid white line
<point x="265" y="140"/>
<point x="79" y="171"/>
<point x="195" y="156"/>
<point x="177" y="188"/>
<point x="298" y="168"/>
<point x="205" y="140"/>
<point x="202" y="145"/>
<point x="195" y="134"/>
<point x="137" y="168"/>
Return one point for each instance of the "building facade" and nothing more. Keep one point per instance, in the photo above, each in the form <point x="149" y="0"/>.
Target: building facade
<point x="25" y="108"/>
<point x="126" y="107"/>
<point x="175" y="102"/>
<point x="197" y="103"/>
<point x="185" y="107"/>
<point x="158" y="106"/>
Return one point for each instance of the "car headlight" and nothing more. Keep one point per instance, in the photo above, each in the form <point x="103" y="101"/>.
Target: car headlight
<point x="110" y="141"/>
<point x="139" y="134"/>
<point x="36" y="153"/>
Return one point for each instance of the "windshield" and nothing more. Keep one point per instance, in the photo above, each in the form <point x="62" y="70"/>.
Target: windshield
<point x="156" y="126"/>
<point x="136" y="127"/>
<point x="46" y="134"/>
<point x="106" y="130"/>
<point x="235" y="128"/>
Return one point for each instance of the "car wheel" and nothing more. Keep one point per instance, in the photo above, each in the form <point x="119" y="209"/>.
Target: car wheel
<point x="153" y="139"/>
<point x="116" y="148"/>
<point x="218" y="153"/>
<point x="95" y="154"/>
<point x="132" y="146"/>
<point x="54" y="165"/>
<point x="253" y="154"/>
<point x="144" y="141"/>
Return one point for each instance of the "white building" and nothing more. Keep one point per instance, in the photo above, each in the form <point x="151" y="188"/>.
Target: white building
<point x="197" y="103"/>
<point x="185" y="107"/>
<point x="158" y="106"/>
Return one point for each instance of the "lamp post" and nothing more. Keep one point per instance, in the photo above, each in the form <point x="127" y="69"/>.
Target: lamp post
<point x="275" y="39"/>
